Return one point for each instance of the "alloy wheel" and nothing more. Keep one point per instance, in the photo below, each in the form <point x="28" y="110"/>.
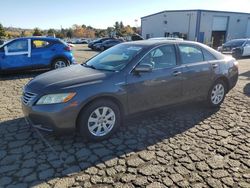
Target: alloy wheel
<point x="217" y="93"/>
<point x="101" y="121"/>
<point x="60" y="64"/>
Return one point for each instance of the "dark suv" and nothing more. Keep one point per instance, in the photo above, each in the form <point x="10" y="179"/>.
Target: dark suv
<point x="107" y="44"/>
<point x="91" y="44"/>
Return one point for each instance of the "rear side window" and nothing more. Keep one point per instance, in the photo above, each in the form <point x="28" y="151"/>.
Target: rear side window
<point x="190" y="54"/>
<point x="39" y="44"/>
<point x="208" y="56"/>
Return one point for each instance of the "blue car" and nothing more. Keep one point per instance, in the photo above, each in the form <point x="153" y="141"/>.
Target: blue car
<point x="35" y="53"/>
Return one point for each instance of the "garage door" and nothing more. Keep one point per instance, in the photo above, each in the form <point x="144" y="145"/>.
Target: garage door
<point x="220" y="23"/>
<point x="248" y="29"/>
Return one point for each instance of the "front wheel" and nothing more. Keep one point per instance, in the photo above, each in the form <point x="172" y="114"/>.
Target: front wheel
<point x="237" y="53"/>
<point x="217" y="94"/>
<point x="99" y="120"/>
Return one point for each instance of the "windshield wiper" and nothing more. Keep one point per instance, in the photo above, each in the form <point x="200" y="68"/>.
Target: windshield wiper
<point x="93" y="67"/>
<point x="90" y="66"/>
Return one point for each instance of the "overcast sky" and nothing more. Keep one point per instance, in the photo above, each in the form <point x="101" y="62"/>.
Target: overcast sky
<point x="99" y="13"/>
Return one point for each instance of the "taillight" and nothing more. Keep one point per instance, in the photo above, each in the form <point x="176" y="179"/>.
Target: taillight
<point x="67" y="48"/>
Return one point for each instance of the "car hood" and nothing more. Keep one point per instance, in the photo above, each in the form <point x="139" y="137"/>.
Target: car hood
<point x="69" y="77"/>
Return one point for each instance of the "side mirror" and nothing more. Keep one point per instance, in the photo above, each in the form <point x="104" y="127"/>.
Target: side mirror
<point x="143" y="68"/>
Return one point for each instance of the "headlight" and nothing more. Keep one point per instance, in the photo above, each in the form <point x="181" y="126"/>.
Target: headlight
<point x="55" y="98"/>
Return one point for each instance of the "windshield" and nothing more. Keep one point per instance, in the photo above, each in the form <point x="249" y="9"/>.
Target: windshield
<point x="114" y="59"/>
<point x="235" y="43"/>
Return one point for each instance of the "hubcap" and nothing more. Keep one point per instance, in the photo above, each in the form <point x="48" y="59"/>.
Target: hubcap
<point x="101" y="121"/>
<point x="217" y="94"/>
<point x="60" y="64"/>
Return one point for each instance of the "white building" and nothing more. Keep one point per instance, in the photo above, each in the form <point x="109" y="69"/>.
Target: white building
<point x="206" y="26"/>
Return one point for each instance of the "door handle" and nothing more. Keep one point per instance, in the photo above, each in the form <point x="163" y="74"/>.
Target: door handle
<point x="176" y="73"/>
<point x="215" y="65"/>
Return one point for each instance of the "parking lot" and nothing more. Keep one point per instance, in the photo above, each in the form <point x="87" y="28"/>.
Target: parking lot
<point x="184" y="146"/>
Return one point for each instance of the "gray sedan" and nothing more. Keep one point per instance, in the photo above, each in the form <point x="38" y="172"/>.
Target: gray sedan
<point x="92" y="98"/>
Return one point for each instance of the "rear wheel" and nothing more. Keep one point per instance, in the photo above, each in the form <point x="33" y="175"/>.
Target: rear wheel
<point x="217" y="93"/>
<point x="99" y="120"/>
<point x="59" y="63"/>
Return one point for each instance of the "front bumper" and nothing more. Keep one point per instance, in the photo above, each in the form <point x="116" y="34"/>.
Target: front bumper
<point x="57" y="118"/>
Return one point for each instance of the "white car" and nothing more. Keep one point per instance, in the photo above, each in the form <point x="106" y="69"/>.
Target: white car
<point x="237" y="47"/>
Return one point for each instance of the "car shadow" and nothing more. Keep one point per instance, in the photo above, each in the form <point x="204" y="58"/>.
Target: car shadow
<point x="25" y="157"/>
<point x="246" y="90"/>
<point x="246" y="74"/>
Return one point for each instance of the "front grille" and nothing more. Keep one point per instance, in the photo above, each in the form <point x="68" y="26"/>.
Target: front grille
<point x="28" y="97"/>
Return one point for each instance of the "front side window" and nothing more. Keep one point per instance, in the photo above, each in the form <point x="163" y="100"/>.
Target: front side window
<point x="114" y="59"/>
<point x="39" y="43"/>
<point x="161" y="57"/>
<point x="190" y="54"/>
<point x="18" y="46"/>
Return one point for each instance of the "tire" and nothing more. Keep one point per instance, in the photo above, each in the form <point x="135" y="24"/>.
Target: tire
<point x="237" y="54"/>
<point x="59" y="63"/>
<point x="217" y="93"/>
<point x="92" y="126"/>
<point x="102" y="48"/>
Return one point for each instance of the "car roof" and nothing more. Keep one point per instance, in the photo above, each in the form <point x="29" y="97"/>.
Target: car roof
<point x="154" y="43"/>
<point x="234" y="40"/>
<point x="165" y="38"/>
<point x="159" y="42"/>
<point x="111" y="40"/>
<point x="38" y="37"/>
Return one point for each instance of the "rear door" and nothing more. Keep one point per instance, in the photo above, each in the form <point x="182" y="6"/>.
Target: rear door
<point x="197" y="72"/>
<point x="161" y="86"/>
<point x="41" y="53"/>
<point x="17" y="54"/>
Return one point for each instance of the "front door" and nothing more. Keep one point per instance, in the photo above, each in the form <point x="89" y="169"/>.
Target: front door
<point x="161" y="86"/>
<point x="17" y="55"/>
<point x="197" y="72"/>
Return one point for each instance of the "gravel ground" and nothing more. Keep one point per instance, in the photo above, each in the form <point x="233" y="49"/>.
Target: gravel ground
<point x="183" y="146"/>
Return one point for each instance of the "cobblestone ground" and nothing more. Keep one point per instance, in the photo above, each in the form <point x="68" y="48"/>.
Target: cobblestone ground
<point x="184" y="146"/>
